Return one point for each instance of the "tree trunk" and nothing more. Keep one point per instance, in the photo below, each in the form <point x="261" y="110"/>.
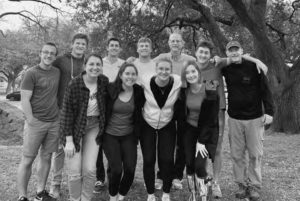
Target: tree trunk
<point x="285" y="88"/>
<point x="211" y="25"/>
<point x="9" y="85"/>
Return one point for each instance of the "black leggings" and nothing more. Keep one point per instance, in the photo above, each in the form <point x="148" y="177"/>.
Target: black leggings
<point x="100" y="171"/>
<point x="193" y="164"/>
<point x="121" y="153"/>
<point x="165" y="138"/>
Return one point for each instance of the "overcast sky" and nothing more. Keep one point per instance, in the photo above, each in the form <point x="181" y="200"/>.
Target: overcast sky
<point x="13" y="22"/>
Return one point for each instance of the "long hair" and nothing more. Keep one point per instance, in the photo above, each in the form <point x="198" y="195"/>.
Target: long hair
<point x="118" y="81"/>
<point x="185" y="83"/>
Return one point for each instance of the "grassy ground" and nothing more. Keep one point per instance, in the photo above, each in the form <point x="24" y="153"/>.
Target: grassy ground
<point x="281" y="173"/>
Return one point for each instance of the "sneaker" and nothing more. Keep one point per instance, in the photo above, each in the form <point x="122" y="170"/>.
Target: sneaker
<point x="22" y="198"/>
<point x="43" y="196"/>
<point x="253" y="193"/>
<point x="177" y="184"/>
<point x="241" y="192"/>
<point x="55" y="191"/>
<point x="216" y="190"/>
<point x="99" y="186"/>
<point x="151" y="197"/>
<point x="120" y="197"/>
<point x="158" y="184"/>
<point x="113" y="198"/>
<point x="165" y="197"/>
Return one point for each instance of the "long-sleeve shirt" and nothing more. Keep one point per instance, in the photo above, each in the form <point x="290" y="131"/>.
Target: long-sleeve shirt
<point x="249" y="96"/>
<point x="74" y="110"/>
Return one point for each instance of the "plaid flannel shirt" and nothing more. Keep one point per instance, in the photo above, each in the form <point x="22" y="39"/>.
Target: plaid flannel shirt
<point x="74" y="109"/>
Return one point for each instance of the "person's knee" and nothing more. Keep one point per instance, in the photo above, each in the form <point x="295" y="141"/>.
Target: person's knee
<point x="255" y="156"/>
<point x="166" y="158"/>
<point x="149" y="160"/>
<point x="27" y="161"/>
<point x="89" y="171"/>
<point x="129" y="168"/>
<point x="46" y="158"/>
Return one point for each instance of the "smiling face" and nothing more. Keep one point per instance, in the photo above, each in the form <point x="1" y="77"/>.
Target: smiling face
<point x="175" y="42"/>
<point x="163" y="70"/>
<point x="192" y="75"/>
<point x="48" y="55"/>
<point x="203" y="55"/>
<point x="79" y="47"/>
<point x="93" y="67"/>
<point x="144" y="49"/>
<point x="113" y="48"/>
<point x="129" y="76"/>
<point x="234" y="54"/>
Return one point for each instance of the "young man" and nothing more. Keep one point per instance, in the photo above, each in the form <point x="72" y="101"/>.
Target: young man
<point x="178" y="59"/>
<point x="112" y="62"/>
<point x="111" y="65"/>
<point x="210" y="73"/>
<point x="41" y="130"/>
<point x="250" y="107"/>
<point x="70" y="65"/>
<point x="144" y="64"/>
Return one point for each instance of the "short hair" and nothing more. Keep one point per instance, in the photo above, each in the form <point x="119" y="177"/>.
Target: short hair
<point x="113" y="39"/>
<point x="80" y="36"/>
<point x="51" y="44"/>
<point x="179" y="34"/>
<point x="93" y="55"/>
<point x="183" y="73"/>
<point x="165" y="60"/>
<point x="145" y="40"/>
<point x="206" y="44"/>
<point x="118" y="81"/>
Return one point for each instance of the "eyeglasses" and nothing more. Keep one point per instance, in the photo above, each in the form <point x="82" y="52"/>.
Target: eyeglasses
<point x="49" y="53"/>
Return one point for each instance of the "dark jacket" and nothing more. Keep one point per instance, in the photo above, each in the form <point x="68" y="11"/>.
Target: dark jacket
<point x="139" y="101"/>
<point x="208" y="121"/>
<point x="74" y="110"/>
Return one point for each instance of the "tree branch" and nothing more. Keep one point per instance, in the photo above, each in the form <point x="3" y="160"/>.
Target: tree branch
<point x="39" y="1"/>
<point x="22" y="13"/>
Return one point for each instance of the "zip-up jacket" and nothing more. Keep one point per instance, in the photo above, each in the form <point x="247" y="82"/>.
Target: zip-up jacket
<point x="155" y="116"/>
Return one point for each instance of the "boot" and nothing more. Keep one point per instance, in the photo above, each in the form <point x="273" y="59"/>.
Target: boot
<point x="192" y="187"/>
<point x="202" y="188"/>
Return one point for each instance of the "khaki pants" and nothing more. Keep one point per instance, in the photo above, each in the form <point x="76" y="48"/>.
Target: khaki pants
<point x="246" y="135"/>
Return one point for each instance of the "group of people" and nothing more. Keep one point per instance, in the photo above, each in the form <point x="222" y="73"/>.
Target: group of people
<point x="77" y="107"/>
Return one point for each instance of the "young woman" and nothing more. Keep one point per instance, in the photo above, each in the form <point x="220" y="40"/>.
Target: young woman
<point x="125" y="100"/>
<point x="161" y="93"/>
<point x="197" y="114"/>
<point x="82" y="124"/>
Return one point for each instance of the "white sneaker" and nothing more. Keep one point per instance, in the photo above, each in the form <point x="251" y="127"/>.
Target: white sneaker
<point x="120" y="197"/>
<point x="151" y="197"/>
<point x="158" y="184"/>
<point x="165" y="197"/>
<point x="177" y="184"/>
<point x="216" y="190"/>
<point x="113" y="198"/>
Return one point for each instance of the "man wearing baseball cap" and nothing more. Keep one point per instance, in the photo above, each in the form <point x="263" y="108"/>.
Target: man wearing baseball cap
<point x="250" y="107"/>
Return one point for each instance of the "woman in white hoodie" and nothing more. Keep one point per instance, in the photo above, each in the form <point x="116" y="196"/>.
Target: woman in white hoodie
<point x="161" y="92"/>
